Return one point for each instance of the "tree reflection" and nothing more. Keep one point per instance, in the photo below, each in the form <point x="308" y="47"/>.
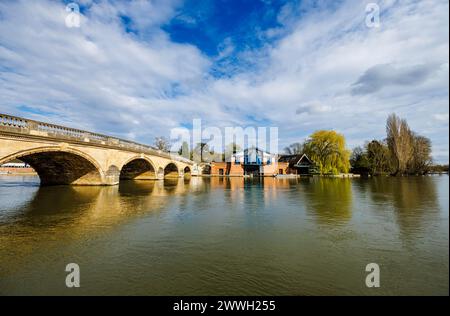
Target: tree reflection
<point x="411" y="197"/>
<point x="329" y="199"/>
<point x="139" y="188"/>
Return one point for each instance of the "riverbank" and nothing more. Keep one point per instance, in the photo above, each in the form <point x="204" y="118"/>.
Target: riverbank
<point x="17" y="171"/>
<point x="285" y="176"/>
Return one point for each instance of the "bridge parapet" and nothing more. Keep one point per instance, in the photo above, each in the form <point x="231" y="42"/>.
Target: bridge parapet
<point x="17" y="125"/>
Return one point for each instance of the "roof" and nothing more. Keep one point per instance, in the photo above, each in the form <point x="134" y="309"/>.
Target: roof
<point x="295" y="160"/>
<point x="289" y="158"/>
<point x="252" y="150"/>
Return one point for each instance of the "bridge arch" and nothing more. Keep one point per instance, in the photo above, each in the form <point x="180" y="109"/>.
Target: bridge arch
<point x="57" y="166"/>
<point x="138" y="168"/>
<point x="187" y="172"/>
<point x="171" y="170"/>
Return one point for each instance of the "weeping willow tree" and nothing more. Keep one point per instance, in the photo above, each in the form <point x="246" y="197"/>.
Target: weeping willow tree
<point x="327" y="150"/>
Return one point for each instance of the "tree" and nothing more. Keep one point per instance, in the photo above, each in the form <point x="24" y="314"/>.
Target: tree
<point x="162" y="143"/>
<point x="378" y="157"/>
<point x="421" y="155"/>
<point x="327" y="150"/>
<point x="438" y="168"/>
<point x="400" y="142"/>
<point x="202" y="153"/>
<point x="184" y="150"/>
<point x="294" y="149"/>
<point x="358" y="161"/>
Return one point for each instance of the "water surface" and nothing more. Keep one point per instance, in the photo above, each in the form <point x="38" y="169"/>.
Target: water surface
<point x="226" y="236"/>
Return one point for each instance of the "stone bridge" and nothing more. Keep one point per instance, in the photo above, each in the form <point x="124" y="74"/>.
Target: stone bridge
<point x="62" y="155"/>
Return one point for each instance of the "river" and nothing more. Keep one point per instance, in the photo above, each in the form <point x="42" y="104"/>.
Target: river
<point x="226" y="236"/>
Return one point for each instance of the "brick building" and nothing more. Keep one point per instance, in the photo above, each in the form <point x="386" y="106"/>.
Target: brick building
<point x="251" y="161"/>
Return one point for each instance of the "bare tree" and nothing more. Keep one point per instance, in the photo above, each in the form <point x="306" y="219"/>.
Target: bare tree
<point x="202" y="153"/>
<point x="294" y="149"/>
<point x="162" y="143"/>
<point x="400" y="142"/>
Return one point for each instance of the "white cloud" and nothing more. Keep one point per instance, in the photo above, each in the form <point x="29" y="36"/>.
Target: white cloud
<point x="441" y="117"/>
<point x="141" y="84"/>
<point x="313" y="107"/>
<point x="94" y="75"/>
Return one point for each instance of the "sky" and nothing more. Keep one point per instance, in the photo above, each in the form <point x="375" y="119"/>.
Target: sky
<point x="137" y="69"/>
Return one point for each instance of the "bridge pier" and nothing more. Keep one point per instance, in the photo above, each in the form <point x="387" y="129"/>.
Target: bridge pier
<point x="112" y="176"/>
<point x="160" y="174"/>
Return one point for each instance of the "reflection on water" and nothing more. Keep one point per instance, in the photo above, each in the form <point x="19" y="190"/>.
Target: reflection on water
<point x="414" y="200"/>
<point x="329" y="199"/>
<point x="226" y="236"/>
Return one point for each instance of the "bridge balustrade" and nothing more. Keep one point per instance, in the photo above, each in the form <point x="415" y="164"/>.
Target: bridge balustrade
<point x="14" y="124"/>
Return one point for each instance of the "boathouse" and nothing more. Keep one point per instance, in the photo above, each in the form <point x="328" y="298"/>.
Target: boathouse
<point x="299" y="164"/>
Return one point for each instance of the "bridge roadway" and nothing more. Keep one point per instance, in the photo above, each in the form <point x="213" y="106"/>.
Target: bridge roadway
<point x="63" y="155"/>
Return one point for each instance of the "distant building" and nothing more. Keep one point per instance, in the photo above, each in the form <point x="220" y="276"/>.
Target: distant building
<point x="15" y="166"/>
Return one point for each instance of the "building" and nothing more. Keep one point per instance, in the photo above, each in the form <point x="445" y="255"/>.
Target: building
<point x="299" y="164"/>
<point x="251" y="161"/>
<point x="15" y="166"/>
<point x="254" y="161"/>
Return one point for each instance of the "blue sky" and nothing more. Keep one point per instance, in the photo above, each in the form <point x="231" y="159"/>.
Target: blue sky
<point x="208" y="24"/>
<point x="139" y="68"/>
